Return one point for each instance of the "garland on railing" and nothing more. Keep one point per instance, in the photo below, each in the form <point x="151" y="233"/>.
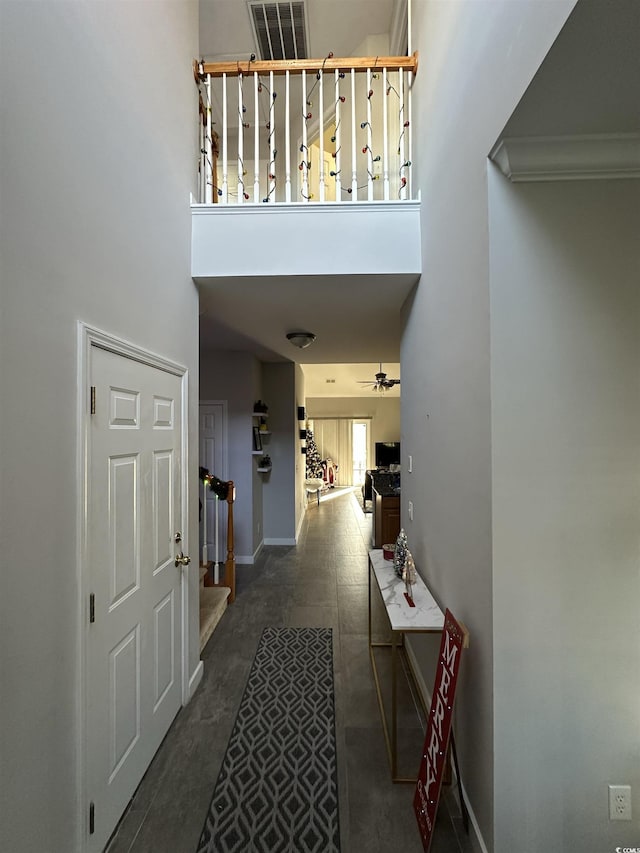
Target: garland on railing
<point x="405" y="125"/>
<point x="305" y="165"/>
<point x="219" y="487"/>
<point x="204" y="109"/>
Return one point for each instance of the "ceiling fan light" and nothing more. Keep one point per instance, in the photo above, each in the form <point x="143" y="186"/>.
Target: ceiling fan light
<point x="301" y="339"/>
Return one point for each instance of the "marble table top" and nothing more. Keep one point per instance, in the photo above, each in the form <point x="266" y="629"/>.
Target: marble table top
<point x="425" y="616"/>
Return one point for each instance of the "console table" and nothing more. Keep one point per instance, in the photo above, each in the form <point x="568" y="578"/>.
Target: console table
<point x="425" y="618"/>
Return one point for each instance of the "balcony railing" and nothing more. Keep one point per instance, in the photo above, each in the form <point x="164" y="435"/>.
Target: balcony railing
<point x="325" y="130"/>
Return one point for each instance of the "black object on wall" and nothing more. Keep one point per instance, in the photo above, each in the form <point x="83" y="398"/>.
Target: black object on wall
<point x="301" y="413"/>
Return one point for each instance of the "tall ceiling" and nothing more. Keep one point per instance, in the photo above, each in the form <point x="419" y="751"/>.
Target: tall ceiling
<point x="337" y="26"/>
<point x="357" y="322"/>
<point x="588" y="83"/>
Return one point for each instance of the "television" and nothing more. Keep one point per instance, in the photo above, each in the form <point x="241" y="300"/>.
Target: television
<point x="387" y="453"/>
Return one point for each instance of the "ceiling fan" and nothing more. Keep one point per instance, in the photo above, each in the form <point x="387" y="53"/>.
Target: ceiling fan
<point x="381" y="382"/>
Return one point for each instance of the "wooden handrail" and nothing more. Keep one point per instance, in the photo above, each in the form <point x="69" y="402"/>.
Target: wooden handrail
<point x="230" y="562"/>
<point x="247" y="66"/>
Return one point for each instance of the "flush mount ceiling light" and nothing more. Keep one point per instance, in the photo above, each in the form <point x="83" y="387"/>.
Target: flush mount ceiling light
<point x="301" y="339"/>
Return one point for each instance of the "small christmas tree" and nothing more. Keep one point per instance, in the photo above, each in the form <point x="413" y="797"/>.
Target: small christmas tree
<point x="314" y="464"/>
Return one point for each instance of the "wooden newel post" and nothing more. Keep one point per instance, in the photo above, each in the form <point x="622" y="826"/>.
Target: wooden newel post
<point x="230" y="563"/>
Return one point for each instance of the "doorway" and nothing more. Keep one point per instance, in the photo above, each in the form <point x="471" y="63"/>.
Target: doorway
<point x="134" y="601"/>
<point x="360" y="451"/>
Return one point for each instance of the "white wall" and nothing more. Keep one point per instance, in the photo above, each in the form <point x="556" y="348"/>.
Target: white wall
<point x="565" y="337"/>
<point x="236" y="378"/>
<point x="97" y="157"/>
<point x="279" y="486"/>
<point x="383" y="411"/>
<point x="476" y="60"/>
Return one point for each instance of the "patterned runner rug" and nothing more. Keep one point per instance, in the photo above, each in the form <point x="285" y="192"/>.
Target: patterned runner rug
<point x="277" y="789"/>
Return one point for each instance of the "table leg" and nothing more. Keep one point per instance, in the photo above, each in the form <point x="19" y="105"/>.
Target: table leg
<point x="394" y="706"/>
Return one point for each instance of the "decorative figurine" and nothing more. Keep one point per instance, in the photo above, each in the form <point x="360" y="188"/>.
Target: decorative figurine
<point x="409" y="576"/>
<point x="400" y="553"/>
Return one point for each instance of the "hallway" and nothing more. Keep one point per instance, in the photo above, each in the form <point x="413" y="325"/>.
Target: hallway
<point x="321" y="582"/>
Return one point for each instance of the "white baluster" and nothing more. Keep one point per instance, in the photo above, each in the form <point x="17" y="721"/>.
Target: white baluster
<point x="240" y="142"/>
<point x="272" y="137"/>
<point x="202" y="162"/>
<point x="321" y="134"/>
<point x="287" y="141"/>
<point x="409" y="135"/>
<point x="369" y="141"/>
<point x="225" y="128"/>
<point x="385" y="136"/>
<point x="403" y="192"/>
<point x="216" y="565"/>
<point x="305" y="150"/>
<point x="336" y="167"/>
<point x="256" y="140"/>
<point x="209" y="178"/>
<point x="354" y="161"/>
<point x="204" y="523"/>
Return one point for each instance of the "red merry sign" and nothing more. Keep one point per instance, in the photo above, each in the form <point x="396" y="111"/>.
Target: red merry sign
<point x="425" y="801"/>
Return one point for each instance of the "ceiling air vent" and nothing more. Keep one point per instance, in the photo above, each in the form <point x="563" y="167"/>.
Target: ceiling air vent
<point x="280" y="30"/>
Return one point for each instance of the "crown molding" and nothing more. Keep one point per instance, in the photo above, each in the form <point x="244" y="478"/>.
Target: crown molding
<point x="569" y="158"/>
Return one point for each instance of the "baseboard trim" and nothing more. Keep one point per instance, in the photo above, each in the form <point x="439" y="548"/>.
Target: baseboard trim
<point x="249" y="559"/>
<point x="196" y="678"/>
<point x="426" y="695"/>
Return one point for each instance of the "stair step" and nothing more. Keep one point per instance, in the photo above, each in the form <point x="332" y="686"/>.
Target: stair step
<point x="213" y="603"/>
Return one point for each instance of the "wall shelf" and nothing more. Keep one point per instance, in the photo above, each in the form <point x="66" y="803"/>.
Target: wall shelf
<point x="258" y="432"/>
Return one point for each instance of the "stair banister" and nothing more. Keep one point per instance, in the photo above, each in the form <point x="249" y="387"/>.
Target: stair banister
<point x="281" y="66"/>
<point x="379" y="142"/>
<point x="230" y="563"/>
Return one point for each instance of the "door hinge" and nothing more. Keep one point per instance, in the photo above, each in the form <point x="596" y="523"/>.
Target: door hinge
<point x="92" y="607"/>
<point x="93" y="399"/>
<point x="92" y="818"/>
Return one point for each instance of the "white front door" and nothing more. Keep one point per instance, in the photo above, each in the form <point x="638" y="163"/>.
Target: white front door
<point x="134" y="511"/>
<point x="213" y="458"/>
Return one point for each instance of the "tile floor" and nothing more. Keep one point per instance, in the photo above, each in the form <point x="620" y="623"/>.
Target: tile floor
<point x="320" y="582"/>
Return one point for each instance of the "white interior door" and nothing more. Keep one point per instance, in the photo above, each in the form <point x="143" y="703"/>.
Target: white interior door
<point x="134" y="511"/>
<point x="212" y="457"/>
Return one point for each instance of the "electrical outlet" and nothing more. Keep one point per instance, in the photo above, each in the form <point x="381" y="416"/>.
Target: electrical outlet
<point x="410" y="509"/>
<point x="619" y="802"/>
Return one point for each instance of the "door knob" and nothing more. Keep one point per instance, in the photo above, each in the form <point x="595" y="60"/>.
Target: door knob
<point x="182" y="560"/>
